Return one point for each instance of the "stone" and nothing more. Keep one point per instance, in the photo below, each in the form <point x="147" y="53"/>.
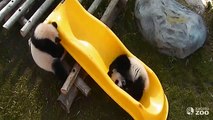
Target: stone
<point x="199" y="5"/>
<point x="169" y="26"/>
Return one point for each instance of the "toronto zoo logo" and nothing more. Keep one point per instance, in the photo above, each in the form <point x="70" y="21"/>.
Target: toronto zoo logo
<point x="197" y="111"/>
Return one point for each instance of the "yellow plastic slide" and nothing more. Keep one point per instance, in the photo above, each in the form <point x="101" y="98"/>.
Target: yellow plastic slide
<point x="95" y="46"/>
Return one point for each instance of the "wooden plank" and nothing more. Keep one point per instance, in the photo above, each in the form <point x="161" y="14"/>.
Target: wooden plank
<point x="80" y="1"/>
<point x="82" y="86"/>
<point x="3" y="3"/>
<point x="66" y="100"/>
<point x="112" y="17"/>
<point x="8" y="8"/>
<point x="18" y="14"/>
<point x="112" y="11"/>
<point x="71" y="78"/>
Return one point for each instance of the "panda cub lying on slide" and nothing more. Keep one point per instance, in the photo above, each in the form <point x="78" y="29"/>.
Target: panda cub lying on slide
<point x="130" y="75"/>
<point x="46" y="49"/>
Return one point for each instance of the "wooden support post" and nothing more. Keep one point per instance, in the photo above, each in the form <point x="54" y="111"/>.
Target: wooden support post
<point x="71" y="78"/>
<point x="94" y="6"/>
<point x="67" y="100"/>
<point x="109" y="10"/>
<point x="6" y="10"/>
<point x="18" y="14"/>
<point x="112" y="17"/>
<point x="27" y="27"/>
<point x="80" y="1"/>
<point x="112" y="11"/>
<point x="82" y="86"/>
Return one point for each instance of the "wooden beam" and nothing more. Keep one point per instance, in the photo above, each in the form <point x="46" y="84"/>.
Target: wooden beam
<point x="94" y="6"/>
<point x="82" y="86"/>
<point x="18" y="14"/>
<point x="66" y="100"/>
<point x="112" y="11"/>
<point x="71" y="78"/>
<point x="109" y="10"/>
<point x="9" y="7"/>
<point x="3" y="3"/>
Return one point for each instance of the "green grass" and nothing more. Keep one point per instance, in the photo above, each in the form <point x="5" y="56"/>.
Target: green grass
<point x="27" y="92"/>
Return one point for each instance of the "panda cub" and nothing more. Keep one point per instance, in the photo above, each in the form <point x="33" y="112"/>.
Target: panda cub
<point x="46" y="49"/>
<point x="130" y="75"/>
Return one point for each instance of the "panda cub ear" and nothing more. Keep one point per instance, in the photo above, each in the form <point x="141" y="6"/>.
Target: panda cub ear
<point x="122" y="63"/>
<point x="55" y="24"/>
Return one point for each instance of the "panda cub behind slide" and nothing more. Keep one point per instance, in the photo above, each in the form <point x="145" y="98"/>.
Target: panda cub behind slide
<point x="46" y="49"/>
<point x="130" y="75"/>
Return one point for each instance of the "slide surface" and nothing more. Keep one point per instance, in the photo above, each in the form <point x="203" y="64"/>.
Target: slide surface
<point x="95" y="46"/>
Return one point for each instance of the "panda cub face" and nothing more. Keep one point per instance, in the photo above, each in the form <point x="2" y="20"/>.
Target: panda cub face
<point x="47" y="31"/>
<point x="118" y="78"/>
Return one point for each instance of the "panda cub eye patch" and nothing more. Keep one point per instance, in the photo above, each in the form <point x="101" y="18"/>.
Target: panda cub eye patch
<point x="116" y="82"/>
<point x="57" y="40"/>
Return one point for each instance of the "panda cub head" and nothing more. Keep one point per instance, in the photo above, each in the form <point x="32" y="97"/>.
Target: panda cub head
<point x="130" y="75"/>
<point x="45" y="39"/>
<point x="118" y="78"/>
<point x="47" y="31"/>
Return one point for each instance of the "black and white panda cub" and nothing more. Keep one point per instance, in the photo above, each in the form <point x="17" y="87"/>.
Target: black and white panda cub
<point x="46" y="49"/>
<point x="130" y="75"/>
